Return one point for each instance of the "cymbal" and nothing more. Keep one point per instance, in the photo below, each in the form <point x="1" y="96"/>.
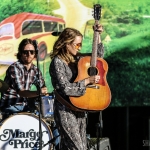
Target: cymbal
<point x="3" y="86"/>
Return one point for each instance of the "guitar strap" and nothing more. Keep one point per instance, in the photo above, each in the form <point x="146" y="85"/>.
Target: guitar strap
<point x="64" y="102"/>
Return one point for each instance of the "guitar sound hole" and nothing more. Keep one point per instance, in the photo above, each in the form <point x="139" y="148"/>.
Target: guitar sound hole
<point x="92" y="71"/>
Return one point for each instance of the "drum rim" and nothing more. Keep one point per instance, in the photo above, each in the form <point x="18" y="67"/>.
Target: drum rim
<point x="28" y="114"/>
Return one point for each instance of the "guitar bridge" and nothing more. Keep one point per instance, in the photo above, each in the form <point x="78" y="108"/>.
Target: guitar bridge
<point x="93" y="86"/>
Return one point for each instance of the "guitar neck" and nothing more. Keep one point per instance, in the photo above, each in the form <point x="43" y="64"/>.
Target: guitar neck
<point x="96" y="40"/>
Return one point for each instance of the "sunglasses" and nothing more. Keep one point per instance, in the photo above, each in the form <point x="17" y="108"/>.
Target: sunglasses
<point x="78" y="45"/>
<point x="26" y="52"/>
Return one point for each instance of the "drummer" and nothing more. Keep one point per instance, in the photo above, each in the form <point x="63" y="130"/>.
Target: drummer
<point x="20" y="76"/>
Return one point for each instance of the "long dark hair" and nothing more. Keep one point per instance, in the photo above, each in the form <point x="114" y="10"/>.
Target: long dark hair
<point x="22" y="44"/>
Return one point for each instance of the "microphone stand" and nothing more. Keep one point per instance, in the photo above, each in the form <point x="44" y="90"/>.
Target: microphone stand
<point x="39" y="97"/>
<point x="99" y="127"/>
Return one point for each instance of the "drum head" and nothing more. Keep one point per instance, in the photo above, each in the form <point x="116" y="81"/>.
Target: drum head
<point x="21" y="131"/>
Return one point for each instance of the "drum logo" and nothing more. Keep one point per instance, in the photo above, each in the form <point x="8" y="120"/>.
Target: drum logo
<point x="20" y="139"/>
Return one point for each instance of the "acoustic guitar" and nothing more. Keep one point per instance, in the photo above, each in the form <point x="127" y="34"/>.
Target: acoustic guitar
<point x="97" y="96"/>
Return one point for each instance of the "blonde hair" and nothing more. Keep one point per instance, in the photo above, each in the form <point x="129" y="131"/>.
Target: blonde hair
<point x="66" y="37"/>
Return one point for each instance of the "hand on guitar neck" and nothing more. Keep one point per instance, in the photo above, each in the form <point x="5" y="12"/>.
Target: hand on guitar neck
<point x="98" y="28"/>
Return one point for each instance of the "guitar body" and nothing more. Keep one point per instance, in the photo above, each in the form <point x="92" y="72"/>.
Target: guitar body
<point x="98" y="96"/>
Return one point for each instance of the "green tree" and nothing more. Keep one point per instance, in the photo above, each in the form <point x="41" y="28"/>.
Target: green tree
<point x="11" y="7"/>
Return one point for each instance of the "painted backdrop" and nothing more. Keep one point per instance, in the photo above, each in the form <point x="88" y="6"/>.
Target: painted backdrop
<point x="126" y="39"/>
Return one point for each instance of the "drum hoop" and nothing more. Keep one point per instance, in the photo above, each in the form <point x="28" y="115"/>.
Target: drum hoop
<point x="28" y="114"/>
<point x="36" y="117"/>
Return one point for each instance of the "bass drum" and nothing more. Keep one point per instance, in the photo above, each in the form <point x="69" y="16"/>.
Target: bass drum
<point x="21" y="131"/>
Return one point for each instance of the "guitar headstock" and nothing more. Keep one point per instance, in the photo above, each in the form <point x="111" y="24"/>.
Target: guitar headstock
<point x="97" y="11"/>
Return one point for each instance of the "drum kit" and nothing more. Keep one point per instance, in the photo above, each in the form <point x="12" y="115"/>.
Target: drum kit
<point x="21" y="130"/>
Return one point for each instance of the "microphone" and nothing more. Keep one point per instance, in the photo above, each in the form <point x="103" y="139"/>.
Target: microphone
<point x="56" y="33"/>
<point x="35" y="43"/>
